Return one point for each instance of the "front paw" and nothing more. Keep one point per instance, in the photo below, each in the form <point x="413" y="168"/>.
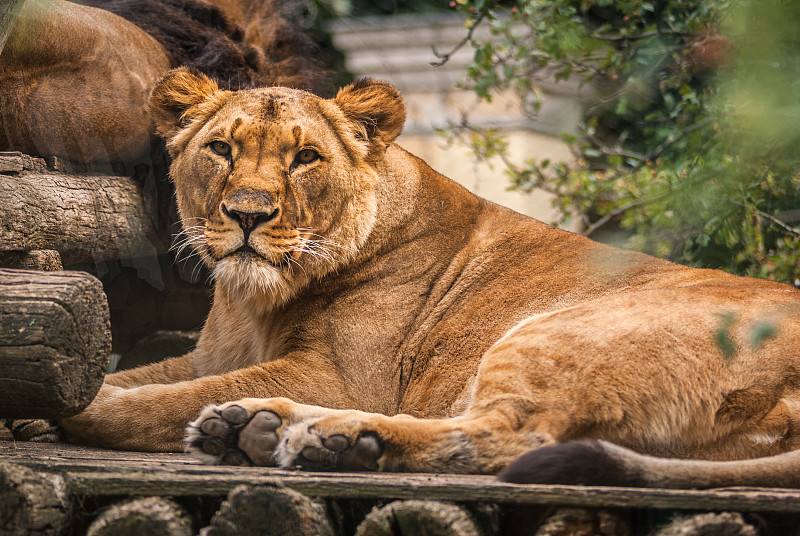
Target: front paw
<point x="308" y="447"/>
<point x="245" y="432"/>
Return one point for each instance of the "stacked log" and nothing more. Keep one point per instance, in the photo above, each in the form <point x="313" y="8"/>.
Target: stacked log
<point x="86" y="218"/>
<point x="55" y="342"/>
<point x="418" y="518"/>
<point x="257" y="510"/>
<point x="32" y="503"/>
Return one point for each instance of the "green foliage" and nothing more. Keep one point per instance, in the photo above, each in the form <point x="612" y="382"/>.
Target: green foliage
<point x="689" y="142"/>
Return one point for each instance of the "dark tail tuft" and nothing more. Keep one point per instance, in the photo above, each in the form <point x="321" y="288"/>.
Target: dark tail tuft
<point x="586" y="463"/>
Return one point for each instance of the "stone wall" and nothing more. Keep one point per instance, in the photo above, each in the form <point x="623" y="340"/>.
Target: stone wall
<point x="400" y="49"/>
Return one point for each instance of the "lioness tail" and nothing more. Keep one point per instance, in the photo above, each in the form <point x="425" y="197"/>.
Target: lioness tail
<point x="599" y="463"/>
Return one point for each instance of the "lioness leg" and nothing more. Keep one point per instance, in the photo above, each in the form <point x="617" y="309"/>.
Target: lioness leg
<point x="172" y="370"/>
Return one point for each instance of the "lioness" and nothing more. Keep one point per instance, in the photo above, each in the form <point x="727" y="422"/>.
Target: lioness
<point x="371" y="314"/>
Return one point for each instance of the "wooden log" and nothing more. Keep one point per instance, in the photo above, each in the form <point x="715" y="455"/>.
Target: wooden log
<point x="142" y="517"/>
<point x="32" y="503"/>
<point x="86" y="218"/>
<point x="570" y="521"/>
<point x="46" y="260"/>
<point x="13" y="160"/>
<point x="9" y="11"/>
<point x="55" y="341"/>
<point x="418" y="518"/>
<point x="722" y="524"/>
<point x="267" y="510"/>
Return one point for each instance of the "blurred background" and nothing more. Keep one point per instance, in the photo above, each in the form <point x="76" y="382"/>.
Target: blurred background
<point x="666" y="126"/>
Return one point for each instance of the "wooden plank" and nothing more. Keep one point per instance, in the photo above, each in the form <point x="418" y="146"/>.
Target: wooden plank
<point x="432" y="487"/>
<point x="86" y="218"/>
<point x="55" y="341"/>
<point x="9" y="11"/>
<point x="101" y="473"/>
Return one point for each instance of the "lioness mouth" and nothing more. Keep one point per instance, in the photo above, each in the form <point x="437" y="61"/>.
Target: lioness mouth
<point x="248" y="251"/>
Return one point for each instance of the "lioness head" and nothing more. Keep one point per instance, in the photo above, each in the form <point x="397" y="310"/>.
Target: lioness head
<point x="275" y="186"/>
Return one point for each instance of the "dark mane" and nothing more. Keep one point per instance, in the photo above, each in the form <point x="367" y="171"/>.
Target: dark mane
<point x="270" y="52"/>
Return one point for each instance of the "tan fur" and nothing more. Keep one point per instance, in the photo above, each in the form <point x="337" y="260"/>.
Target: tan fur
<point x="388" y="319"/>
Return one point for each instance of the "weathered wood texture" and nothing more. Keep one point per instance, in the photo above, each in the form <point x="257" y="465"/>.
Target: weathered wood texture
<point x="257" y="510"/>
<point x="9" y="11"/>
<point x="55" y="341"/>
<point x="32" y="503"/>
<point x="573" y="521"/>
<point x="418" y="518"/>
<point x="85" y="218"/>
<point x="712" y="524"/>
<point x="142" y="517"/>
<point x="47" y="260"/>
<point x="89" y="472"/>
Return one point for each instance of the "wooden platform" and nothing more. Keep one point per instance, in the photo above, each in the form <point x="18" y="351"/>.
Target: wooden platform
<point x="101" y="477"/>
<point x="92" y="472"/>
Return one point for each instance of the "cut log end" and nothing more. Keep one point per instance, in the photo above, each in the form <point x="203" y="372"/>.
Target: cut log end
<point x="718" y="524"/>
<point x="254" y="510"/>
<point x="140" y="517"/>
<point x="407" y="518"/>
<point x="55" y="342"/>
<point x="32" y="503"/>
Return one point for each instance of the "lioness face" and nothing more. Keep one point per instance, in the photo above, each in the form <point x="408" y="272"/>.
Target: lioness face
<point x="274" y="186"/>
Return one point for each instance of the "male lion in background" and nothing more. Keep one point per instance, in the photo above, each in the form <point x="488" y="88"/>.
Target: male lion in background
<point x="371" y="314"/>
<point x="75" y="78"/>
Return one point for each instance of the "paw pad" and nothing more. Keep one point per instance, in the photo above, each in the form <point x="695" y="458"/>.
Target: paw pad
<point x="337" y="453"/>
<point x="259" y="437"/>
<point x="235" y="414"/>
<point x="232" y="437"/>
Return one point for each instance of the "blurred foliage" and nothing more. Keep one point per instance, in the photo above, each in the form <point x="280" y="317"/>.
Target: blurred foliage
<point x="689" y="142"/>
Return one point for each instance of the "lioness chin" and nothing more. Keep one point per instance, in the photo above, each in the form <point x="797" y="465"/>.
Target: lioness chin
<point x="371" y="314"/>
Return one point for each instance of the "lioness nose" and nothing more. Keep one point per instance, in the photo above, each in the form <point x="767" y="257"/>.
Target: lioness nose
<point x="250" y="220"/>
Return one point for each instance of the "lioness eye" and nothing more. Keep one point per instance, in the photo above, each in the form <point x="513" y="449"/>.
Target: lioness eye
<point x="220" y="147"/>
<point x="306" y="156"/>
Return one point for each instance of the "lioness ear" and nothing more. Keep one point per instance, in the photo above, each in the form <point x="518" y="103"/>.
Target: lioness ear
<point x="378" y="106"/>
<point x="175" y="95"/>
